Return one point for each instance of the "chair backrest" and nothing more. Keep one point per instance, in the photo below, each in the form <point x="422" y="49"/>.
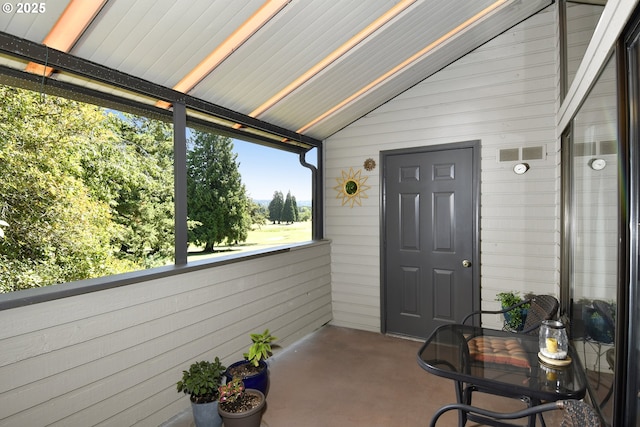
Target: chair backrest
<point x="577" y="413"/>
<point x="543" y="307"/>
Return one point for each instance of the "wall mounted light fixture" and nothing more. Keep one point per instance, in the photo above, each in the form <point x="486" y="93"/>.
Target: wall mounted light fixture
<point x="597" y="164"/>
<point x="521" y="168"/>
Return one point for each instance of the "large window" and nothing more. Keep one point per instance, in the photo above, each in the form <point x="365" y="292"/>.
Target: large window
<point x="243" y="197"/>
<point x="88" y="192"/>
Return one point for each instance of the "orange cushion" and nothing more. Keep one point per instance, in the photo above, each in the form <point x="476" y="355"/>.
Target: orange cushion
<point x="503" y="350"/>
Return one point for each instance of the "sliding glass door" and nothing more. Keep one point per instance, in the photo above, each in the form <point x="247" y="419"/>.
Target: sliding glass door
<point x="591" y="235"/>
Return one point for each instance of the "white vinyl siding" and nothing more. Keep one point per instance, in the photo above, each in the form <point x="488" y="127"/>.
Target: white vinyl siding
<point x="113" y="357"/>
<point x="503" y="94"/>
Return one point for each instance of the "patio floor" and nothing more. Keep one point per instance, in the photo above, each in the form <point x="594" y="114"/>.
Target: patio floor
<point x="345" y="377"/>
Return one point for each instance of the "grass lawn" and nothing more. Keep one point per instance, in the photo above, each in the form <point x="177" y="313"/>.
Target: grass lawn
<point x="260" y="237"/>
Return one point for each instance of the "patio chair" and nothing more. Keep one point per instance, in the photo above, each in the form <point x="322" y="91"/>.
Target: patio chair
<point x="542" y="307"/>
<point x="576" y="413"/>
<point x="605" y="310"/>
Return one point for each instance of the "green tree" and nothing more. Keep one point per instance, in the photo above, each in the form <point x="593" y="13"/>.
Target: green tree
<point x="296" y="211"/>
<point x="216" y="198"/>
<point x="305" y="213"/>
<point x="275" y="207"/>
<point x="142" y="195"/>
<point x="288" y="210"/>
<point x="259" y="213"/>
<point x="57" y="231"/>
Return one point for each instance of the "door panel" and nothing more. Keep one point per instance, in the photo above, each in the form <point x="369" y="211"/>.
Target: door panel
<point x="428" y="230"/>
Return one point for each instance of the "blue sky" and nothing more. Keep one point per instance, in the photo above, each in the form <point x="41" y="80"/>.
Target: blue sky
<point x="265" y="170"/>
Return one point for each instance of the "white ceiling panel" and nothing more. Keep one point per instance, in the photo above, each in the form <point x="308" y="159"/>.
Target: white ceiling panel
<point x="30" y="26"/>
<point x="162" y="41"/>
<point x="420" y="70"/>
<point x="392" y="45"/>
<point x="303" y="34"/>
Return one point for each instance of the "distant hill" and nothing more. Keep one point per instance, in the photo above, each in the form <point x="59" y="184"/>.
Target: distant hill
<point x="300" y="203"/>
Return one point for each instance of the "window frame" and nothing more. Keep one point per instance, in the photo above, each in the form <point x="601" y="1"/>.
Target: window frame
<point x="187" y="111"/>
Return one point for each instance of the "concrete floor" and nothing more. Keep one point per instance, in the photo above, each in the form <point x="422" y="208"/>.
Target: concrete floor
<point x="345" y="377"/>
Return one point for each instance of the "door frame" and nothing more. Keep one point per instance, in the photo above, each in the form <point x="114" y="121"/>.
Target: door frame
<point x="475" y="149"/>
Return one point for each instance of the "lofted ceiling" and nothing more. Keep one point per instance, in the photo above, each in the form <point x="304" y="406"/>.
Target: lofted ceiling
<point x="308" y="66"/>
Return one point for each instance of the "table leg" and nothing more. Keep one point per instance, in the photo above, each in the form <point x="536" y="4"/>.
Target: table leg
<point x="532" y="418"/>
<point x="462" y="416"/>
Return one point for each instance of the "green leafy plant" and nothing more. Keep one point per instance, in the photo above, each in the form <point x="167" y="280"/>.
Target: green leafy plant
<point x="202" y="380"/>
<point x="231" y="392"/>
<point x="234" y="397"/>
<point x="261" y="347"/>
<point x="515" y="318"/>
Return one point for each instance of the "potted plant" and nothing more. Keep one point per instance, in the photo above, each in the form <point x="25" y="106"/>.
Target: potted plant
<point x="240" y="407"/>
<point x="597" y="327"/>
<point x="513" y="319"/>
<point x="253" y="369"/>
<point x="201" y="383"/>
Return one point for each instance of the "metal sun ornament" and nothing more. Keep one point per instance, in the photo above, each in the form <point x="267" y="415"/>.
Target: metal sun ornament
<point x="351" y="187"/>
<point x="369" y="164"/>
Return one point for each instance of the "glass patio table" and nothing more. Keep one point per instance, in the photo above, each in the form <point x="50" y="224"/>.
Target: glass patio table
<point x="501" y="363"/>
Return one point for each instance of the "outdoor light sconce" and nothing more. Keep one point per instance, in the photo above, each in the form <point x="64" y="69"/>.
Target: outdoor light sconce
<point x="521" y="168"/>
<point x="597" y="164"/>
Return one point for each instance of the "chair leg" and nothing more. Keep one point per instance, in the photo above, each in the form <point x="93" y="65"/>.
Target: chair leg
<point x="607" y="397"/>
<point x="462" y="416"/>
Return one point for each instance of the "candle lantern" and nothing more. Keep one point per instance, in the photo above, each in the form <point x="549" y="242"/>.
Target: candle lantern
<point x="553" y="340"/>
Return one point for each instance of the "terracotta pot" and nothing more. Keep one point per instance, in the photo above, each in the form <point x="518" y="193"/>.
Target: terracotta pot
<point x="251" y="418"/>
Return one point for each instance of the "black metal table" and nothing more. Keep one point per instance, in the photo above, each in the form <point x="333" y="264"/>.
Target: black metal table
<point x="515" y="372"/>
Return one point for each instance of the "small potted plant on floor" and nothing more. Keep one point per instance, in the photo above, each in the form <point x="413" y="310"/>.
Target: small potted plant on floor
<point x="240" y="407"/>
<point x="253" y="369"/>
<point x="201" y="383"/>
<point x="514" y="319"/>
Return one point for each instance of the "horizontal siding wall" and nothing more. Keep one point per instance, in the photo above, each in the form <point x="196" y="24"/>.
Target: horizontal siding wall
<point x="503" y="94"/>
<point x="112" y="357"/>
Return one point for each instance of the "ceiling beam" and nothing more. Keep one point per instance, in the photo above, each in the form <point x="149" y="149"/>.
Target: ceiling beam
<point x="73" y="22"/>
<point x="42" y="54"/>
<point x="406" y="63"/>
<point x="334" y="56"/>
<point x="263" y="15"/>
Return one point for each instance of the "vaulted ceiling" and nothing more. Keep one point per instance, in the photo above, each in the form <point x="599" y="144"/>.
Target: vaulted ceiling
<point x="309" y="66"/>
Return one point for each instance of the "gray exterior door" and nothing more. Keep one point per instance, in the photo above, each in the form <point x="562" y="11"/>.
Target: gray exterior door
<point x="430" y="218"/>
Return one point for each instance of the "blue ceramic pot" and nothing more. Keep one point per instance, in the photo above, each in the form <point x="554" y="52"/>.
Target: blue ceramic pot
<point x="206" y="414"/>
<point x="523" y="315"/>
<point x="259" y="381"/>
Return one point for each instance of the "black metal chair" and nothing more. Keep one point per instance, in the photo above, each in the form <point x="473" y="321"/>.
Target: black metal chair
<point x="576" y="413"/>
<point x="605" y="310"/>
<point x="542" y="307"/>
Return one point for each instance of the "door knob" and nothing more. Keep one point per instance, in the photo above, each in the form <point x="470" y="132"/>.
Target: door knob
<point x="466" y="263"/>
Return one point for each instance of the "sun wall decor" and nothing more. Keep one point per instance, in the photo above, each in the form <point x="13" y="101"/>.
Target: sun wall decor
<point x="351" y="187"/>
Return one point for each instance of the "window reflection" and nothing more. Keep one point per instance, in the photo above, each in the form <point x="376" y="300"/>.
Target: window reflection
<point x="594" y="235"/>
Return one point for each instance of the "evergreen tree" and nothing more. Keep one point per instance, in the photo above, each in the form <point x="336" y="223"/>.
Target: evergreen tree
<point x="275" y="207"/>
<point x="142" y="196"/>
<point x="288" y="210"/>
<point x="216" y="197"/>
<point x="295" y="209"/>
